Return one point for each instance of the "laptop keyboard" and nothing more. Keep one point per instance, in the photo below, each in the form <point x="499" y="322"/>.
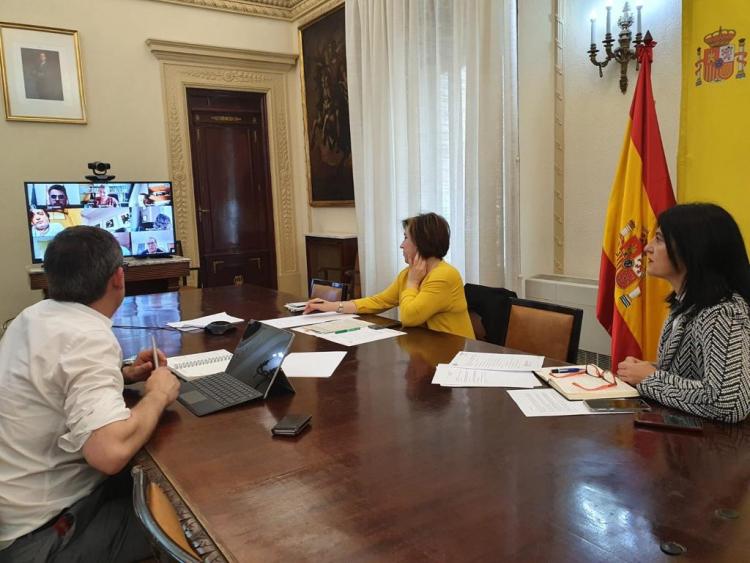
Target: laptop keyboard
<point x="225" y="389"/>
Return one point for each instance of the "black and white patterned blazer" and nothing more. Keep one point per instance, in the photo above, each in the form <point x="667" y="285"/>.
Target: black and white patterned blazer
<point x="703" y="364"/>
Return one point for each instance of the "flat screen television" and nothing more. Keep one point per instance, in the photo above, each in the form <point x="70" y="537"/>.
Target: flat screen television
<point x="139" y="214"/>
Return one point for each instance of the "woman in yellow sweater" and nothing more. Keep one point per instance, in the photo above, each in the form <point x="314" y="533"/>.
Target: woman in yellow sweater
<point x="429" y="292"/>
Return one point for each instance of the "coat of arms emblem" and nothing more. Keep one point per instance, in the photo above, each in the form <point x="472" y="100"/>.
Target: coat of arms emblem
<point x="717" y="61"/>
<point x="629" y="263"/>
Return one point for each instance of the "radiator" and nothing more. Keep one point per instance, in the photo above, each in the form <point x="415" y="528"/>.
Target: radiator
<point x="594" y="346"/>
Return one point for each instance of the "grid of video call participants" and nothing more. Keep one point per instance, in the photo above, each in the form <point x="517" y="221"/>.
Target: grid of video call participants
<point x="139" y="215"/>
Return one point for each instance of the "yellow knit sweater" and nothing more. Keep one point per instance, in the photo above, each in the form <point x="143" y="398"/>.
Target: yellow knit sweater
<point x="439" y="302"/>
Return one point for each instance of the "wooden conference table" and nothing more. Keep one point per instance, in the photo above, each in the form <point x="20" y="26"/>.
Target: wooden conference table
<point x="395" y="468"/>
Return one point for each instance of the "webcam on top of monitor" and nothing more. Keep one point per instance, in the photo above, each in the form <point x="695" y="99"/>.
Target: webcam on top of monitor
<point x="99" y="170"/>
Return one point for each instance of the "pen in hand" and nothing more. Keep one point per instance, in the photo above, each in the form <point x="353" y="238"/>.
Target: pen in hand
<point x="154" y="349"/>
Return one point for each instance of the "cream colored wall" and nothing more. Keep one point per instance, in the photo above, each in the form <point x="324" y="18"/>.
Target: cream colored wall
<point x="595" y="117"/>
<point x="536" y="121"/>
<point x="126" y="122"/>
<point x="124" y="105"/>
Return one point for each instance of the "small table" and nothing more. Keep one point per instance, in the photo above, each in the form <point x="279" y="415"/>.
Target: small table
<point x="332" y="256"/>
<point x="152" y="275"/>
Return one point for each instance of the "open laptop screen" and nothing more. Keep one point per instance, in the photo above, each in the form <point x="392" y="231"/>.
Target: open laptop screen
<point x="259" y="355"/>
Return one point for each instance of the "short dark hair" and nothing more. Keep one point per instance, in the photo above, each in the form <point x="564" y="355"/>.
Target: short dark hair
<point x="430" y="234"/>
<point x="79" y="263"/>
<point x="705" y="240"/>
<point x="35" y="211"/>
<point x="59" y="188"/>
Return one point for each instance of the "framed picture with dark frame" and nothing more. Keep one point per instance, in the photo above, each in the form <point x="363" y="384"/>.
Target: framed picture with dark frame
<point x="325" y="101"/>
<point x="41" y="74"/>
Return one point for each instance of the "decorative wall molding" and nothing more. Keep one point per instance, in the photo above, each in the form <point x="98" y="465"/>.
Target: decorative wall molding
<point x="558" y="205"/>
<point x="287" y="10"/>
<point x="187" y="65"/>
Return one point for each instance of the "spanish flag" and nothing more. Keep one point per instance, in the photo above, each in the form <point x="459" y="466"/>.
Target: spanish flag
<point x="631" y="305"/>
<point x="714" y="118"/>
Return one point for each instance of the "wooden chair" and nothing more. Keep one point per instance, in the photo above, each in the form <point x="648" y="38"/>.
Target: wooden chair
<point x="328" y="290"/>
<point x="544" y="329"/>
<point x="160" y="521"/>
<point x="489" y="308"/>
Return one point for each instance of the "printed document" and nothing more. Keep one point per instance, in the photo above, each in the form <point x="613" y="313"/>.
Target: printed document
<point x="547" y="402"/>
<point x="354" y="336"/>
<point x="498" y="362"/>
<point x="451" y="376"/>
<point x="303" y="320"/>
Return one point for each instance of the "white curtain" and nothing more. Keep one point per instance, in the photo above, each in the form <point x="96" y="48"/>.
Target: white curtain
<point x="432" y="98"/>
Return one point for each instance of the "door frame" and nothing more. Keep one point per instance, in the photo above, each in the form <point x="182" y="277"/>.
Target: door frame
<point x="186" y="65"/>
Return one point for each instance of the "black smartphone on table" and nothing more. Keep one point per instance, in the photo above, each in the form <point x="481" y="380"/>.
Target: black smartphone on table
<point x="291" y="425"/>
<point x="617" y="405"/>
<point x="668" y="420"/>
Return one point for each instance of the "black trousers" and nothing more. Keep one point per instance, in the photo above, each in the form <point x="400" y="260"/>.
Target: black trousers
<point x="99" y="527"/>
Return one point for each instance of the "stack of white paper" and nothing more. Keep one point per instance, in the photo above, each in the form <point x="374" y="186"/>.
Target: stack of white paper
<point x="302" y="320"/>
<point x="452" y="376"/>
<point x="482" y="369"/>
<point x="499" y="362"/>
<point x="200" y="323"/>
<point x="354" y="337"/>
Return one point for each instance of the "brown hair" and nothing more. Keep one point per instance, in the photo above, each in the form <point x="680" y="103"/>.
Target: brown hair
<point x="430" y="233"/>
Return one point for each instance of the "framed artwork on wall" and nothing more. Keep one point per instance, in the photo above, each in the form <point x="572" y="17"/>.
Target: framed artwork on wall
<point x="326" y="111"/>
<point x="41" y="74"/>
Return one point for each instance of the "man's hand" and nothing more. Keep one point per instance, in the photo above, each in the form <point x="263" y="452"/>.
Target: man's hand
<point x="110" y="447"/>
<point x="162" y="381"/>
<point x="142" y="366"/>
<point x="632" y="370"/>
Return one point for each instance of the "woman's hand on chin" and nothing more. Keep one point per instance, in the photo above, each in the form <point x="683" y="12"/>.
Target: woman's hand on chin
<point x="417" y="271"/>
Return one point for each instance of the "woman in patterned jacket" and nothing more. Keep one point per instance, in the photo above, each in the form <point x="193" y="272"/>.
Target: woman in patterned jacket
<point x="703" y="364"/>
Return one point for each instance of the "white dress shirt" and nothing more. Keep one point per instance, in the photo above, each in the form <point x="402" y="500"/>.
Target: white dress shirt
<point x="61" y="380"/>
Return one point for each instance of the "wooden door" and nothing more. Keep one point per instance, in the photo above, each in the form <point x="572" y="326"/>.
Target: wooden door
<point x="234" y="206"/>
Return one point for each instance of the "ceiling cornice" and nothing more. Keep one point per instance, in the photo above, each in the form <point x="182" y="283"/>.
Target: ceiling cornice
<point x="288" y="10"/>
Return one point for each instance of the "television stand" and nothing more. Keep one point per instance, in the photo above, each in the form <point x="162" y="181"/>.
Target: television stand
<point x="141" y="276"/>
<point x="154" y="256"/>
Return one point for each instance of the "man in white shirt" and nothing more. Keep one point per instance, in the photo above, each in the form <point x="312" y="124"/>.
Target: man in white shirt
<point x="64" y="425"/>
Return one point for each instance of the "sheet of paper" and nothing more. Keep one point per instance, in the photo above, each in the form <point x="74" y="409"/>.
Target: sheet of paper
<point x="451" y="376"/>
<point x="497" y="362"/>
<point x="312" y="364"/>
<point x="355" y="337"/>
<point x="303" y="320"/>
<point x="201" y="322"/>
<point x="546" y="402"/>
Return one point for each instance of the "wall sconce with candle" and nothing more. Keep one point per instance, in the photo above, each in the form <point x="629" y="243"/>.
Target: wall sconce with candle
<point x="623" y="54"/>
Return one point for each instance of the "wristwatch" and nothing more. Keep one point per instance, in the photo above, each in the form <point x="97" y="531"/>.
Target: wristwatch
<point x="340" y="308"/>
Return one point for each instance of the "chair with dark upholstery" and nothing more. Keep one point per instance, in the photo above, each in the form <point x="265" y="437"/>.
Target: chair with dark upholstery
<point x="160" y="521"/>
<point x="328" y="290"/>
<point x="545" y="329"/>
<point x="489" y="308"/>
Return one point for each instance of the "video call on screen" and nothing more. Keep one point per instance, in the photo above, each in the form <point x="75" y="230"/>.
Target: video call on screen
<point x="139" y="215"/>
